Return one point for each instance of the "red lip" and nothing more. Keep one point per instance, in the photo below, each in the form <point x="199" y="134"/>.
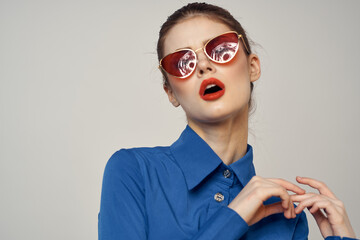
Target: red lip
<point x="211" y="96"/>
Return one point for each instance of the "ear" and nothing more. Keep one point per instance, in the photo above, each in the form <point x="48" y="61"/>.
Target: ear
<point x="254" y="67"/>
<point x="171" y="95"/>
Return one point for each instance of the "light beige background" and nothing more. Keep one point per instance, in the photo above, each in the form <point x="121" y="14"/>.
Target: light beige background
<point x="79" y="80"/>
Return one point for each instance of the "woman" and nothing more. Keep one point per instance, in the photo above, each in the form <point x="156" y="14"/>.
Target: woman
<point x="204" y="186"/>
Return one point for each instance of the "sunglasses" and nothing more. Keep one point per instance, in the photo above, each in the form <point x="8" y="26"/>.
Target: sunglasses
<point x="220" y="49"/>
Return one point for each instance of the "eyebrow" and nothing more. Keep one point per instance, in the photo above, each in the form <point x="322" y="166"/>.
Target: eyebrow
<point x="203" y="43"/>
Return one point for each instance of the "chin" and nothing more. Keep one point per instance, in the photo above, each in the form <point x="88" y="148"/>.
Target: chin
<point x="217" y="113"/>
<point x="214" y="117"/>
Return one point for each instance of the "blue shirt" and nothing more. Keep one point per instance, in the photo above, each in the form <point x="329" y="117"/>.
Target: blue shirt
<point x="182" y="192"/>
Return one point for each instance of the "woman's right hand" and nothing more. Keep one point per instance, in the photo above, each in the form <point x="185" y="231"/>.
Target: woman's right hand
<point x="249" y="202"/>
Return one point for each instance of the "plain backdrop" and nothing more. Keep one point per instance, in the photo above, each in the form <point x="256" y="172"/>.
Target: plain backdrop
<point x="79" y="81"/>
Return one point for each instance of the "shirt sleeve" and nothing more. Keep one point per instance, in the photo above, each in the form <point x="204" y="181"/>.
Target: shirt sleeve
<point x="122" y="208"/>
<point x="301" y="229"/>
<point x="339" y="238"/>
<point x="225" y="224"/>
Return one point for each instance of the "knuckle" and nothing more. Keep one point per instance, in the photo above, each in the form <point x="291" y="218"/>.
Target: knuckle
<point x="256" y="182"/>
<point x="317" y="198"/>
<point x="254" y="179"/>
<point x="283" y="190"/>
<point x="257" y="178"/>
<point x="342" y="211"/>
<point x="341" y="204"/>
<point x="284" y="193"/>
<point x="257" y="192"/>
<point x="257" y="185"/>
<point x="301" y="205"/>
<point x="322" y="184"/>
<point x="316" y="204"/>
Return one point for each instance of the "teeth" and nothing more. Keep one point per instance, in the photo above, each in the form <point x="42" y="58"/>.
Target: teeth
<point x="210" y="86"/>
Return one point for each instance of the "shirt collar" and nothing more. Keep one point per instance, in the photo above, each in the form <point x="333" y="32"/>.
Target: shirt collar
<point x="197" y="160"/>
<point x="244" y="167"/>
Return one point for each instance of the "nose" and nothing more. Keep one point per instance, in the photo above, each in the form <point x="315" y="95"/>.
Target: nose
<point x="204" y="64"/>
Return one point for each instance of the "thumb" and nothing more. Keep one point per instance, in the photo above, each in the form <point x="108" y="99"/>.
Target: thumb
<point x="273" y="208"/>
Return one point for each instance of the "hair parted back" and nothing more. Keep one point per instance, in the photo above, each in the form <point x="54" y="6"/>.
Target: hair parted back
<point x="191" y="10"/>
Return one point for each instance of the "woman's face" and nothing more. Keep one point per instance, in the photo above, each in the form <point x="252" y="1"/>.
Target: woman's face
<point x="236" y="75"/>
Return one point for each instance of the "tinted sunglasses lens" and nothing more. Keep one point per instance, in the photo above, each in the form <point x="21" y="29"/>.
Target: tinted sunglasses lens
<point x="223" y="48"/>
<point x="179" y="64"/>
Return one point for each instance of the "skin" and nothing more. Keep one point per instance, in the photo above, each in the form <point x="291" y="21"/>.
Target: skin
<point x="335" y="221"/>
<point x="223" y="123"/>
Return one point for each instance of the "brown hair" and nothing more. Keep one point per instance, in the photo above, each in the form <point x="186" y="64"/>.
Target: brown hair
<point x="201" y="9"/>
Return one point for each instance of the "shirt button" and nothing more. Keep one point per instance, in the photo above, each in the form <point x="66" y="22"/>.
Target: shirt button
<point x="227" y="173"/>
<point x="219" y="197"/>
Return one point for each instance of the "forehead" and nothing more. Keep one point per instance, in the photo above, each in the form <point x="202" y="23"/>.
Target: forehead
<point x="192" y="33"/>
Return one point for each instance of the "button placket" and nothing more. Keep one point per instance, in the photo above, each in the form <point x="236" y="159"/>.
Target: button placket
<point x="227" y="173"/>
<point x="219" y="197"/>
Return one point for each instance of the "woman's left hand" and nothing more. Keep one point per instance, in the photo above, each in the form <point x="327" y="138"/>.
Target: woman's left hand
<point x="335" y="221"/>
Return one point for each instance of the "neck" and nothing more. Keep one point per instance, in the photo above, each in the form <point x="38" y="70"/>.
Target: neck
<point x="227" y="138"/>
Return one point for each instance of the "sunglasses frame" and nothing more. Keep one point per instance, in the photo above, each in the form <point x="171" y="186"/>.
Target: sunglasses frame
<point x="203" y="48"/>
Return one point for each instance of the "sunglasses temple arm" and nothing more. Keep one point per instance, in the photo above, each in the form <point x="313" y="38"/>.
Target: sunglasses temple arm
<point x="247" y="50"/>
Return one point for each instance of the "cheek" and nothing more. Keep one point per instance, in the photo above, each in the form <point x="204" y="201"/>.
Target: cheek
<point x="237" y="68"/>
<point x="239" y="78"/>
<point x="182" y="88"/>
<point x="240" y="66"/>
<point x="238" y="75"/>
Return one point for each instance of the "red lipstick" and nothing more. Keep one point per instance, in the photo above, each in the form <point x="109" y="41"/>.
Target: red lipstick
<point x="213" y="95"/>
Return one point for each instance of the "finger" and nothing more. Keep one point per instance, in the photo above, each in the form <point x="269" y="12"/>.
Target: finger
<point x="320" y="186"/>
<point x="294" y="205"/>
<point x="317" y="202"/>
<point x="316" y="206"/>
<point x="273" y="208"/>
<point x="293" y="215"/>
<point x="277" y="191"/>
<point x="306" y="201"/>
<point x="287" y="185"/>
<point x="277" y="208"/>
<point x="288" y="212"/>
<point x="328" y="206"/>
<point x="299" y="198"/>
<point x="323" y="223"/>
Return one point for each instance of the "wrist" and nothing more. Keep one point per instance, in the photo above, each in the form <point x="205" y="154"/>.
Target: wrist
<point x="239" y="211"/>
<point x="344" y="231"/>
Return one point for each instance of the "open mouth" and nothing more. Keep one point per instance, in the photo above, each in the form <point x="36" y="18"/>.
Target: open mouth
<point x="211" y="89"/>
